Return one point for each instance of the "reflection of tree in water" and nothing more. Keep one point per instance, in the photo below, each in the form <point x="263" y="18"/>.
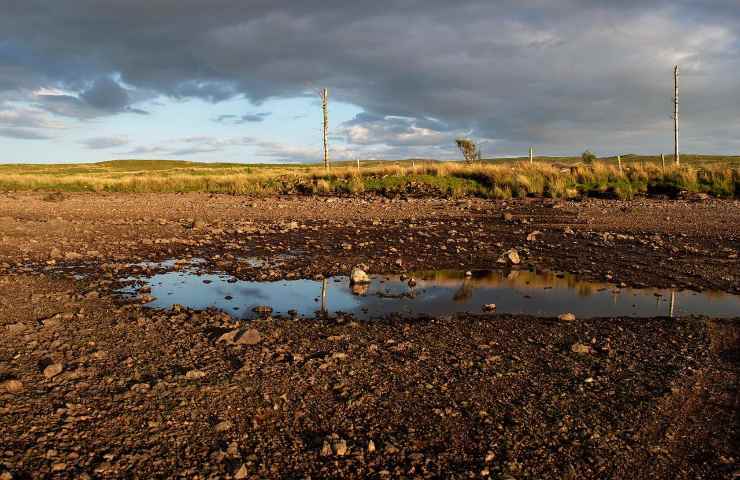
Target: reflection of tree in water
<point x="465" y="292"/>
<point x="513" y="278"/>
<point x="324" y="287"/>
<point x="585" y="289"/>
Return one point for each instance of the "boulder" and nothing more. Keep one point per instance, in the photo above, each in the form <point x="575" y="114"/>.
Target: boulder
<point x="510" y="257"/>
<point x="567" y="317"/>
<point x="358" y="276"/>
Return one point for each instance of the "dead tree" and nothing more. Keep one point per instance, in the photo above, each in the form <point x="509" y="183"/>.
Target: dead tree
<point x="468" y="148"/>
<point x="531" y="153"/>
<point x="325" y="108"/>
<point x="676" y="158"/>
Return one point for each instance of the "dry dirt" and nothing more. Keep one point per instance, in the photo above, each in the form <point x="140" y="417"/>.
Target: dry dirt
<point x="96" y="386"/>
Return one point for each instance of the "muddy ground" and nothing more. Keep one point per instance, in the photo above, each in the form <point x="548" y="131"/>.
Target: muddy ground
<point x="95" y="385"/>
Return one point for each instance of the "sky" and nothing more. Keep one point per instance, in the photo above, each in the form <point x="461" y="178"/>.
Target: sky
<point x="238" y="80"/>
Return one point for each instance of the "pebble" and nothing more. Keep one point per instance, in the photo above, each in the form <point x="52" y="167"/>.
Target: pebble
<point x="195" y="374"/>
<point x="12" y="386"/>
<point x="580" y="348"/>
<point x="53" y="370"/>
<point x="566" y="317"/>
<point x="242" y="473"/>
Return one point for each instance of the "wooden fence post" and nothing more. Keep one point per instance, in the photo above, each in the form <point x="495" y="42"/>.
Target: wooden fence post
<point x="325" y="108"/>
<point x="676" y="157"/>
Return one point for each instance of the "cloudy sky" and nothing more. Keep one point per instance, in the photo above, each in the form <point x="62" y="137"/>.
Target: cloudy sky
<point x="236" y="80"/>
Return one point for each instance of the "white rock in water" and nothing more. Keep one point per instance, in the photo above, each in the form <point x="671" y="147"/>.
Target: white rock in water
<point x="358" y="275"/>
<point x="566" y="317"/>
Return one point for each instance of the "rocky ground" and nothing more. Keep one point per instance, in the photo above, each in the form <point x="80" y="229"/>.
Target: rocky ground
<point x="94" y="385"/>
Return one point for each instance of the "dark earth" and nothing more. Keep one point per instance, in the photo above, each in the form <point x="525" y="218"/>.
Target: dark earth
<point x="97" y="385"/>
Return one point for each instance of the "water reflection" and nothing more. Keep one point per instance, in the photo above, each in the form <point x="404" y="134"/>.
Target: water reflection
<point x="435" y="293"/>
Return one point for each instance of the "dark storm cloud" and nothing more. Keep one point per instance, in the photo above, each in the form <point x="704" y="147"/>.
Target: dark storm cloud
<point x="562" y="75"/>
<point x="104" y="96"/>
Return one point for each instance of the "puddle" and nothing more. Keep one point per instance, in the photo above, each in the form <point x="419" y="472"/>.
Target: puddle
<point x="436" y="293"/>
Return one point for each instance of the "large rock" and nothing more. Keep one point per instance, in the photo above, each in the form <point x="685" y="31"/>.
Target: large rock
<point x="358" y="276"/>
<point x="510" y="257"/>
<point x="240" y="337"/>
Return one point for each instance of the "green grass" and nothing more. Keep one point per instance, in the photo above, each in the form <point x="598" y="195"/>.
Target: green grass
<point x="557" y="177"/>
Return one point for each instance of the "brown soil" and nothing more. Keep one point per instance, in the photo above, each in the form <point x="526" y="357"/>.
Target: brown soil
<point x="148" y="394"/>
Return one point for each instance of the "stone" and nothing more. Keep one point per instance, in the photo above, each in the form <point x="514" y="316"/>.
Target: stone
<point x="370" y="446"/>
<point x="250" y="337"/>
<point x="340" y="448"/>
<point x="12" y="386"/>
<point x="358" y="276"/>
<point x="580" y="348"/>
<point x="533" y="236"/>
<point x="508" y="217"/>
<point x="17" y="328"/>
<point x="489" y="307"/>
<point x="510" y="257"/>
<point x="195" y="374"/>
<point x="228" y="337"/>
<point x="53" y="370"/>
<point x="242" y="473"/>
<point x="224" y="426"/>
<point x="412" y="282"/>
<point x="567" y="317"/>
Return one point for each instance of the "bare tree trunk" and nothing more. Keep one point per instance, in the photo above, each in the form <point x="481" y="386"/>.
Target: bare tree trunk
<point x="662" y="160"/>
<point x="358" y="166"/>
<point x="676" y="158"/>
<point x="619" y="162"/>
<point x="325" y="108"/>
<point x="531" y="153"/>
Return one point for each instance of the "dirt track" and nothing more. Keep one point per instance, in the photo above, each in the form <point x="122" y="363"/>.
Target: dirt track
<point x="145" y="393"/>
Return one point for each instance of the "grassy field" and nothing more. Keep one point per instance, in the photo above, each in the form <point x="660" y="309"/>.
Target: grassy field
<point x="557" y="177"/>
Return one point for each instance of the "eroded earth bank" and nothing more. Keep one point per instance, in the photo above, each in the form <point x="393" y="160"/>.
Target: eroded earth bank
<point x="97" y="384"/>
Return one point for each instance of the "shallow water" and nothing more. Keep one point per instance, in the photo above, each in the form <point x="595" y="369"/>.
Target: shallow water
<point x="436" y="293"/>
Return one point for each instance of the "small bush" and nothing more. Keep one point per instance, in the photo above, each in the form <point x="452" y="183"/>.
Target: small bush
<point x="588" y="157"/>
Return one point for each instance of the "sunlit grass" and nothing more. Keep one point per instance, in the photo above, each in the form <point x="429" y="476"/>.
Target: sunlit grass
<point x="557" y="178"/>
